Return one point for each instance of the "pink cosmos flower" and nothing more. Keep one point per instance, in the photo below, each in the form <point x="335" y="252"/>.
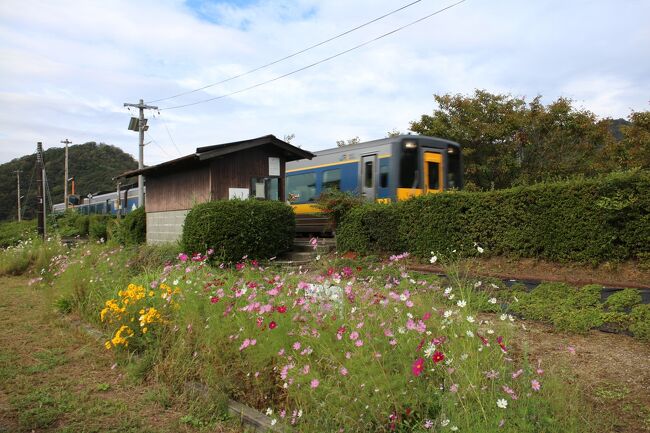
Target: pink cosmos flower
<point x="182" y="257"/>
<point x="535" y="385"/>
<point x="438" y="356"/>
<point x="517" y="373"/>
<point x="354" y="335"/>
<point x="314" y="383"/>
<point x="453" y="388"/>
<point x="418" y="367"/>
<point x="358" y="343"/>
<point x="571" y="349"/>
<point x="343" y="371"/>
<point x="296" y="345"/>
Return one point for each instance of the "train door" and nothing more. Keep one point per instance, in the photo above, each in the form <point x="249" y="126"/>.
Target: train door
<point x="433" y="179"/>
<point x="368" y="169"/>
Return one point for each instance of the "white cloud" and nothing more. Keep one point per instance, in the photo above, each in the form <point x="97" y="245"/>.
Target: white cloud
<point x="67" y="66"/>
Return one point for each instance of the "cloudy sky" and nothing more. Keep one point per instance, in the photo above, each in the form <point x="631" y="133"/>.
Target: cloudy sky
<point x="67" y="66"/>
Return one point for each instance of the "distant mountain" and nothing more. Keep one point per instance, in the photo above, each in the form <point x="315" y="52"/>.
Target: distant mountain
<point x="93" y="165"/>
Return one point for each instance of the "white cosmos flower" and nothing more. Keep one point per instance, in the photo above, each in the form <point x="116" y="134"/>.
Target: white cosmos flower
<point x="433" y="259"/>
<point x="452" y="296"/>
<point x="448" y="290"/>
<point x="274" y="421"/>
<point x="269" y="411"/>
<point x="493" y="300"/>
<point x="480" y="250"/>
<point x="448" y="313"/>
<point x="444" y="422"/>
<point x="461" y="303"/>
<point x="503" y="316"/>
<point x="470" y="334"/>
<point x="502" y="403"/>
<point x="470" y="319"/>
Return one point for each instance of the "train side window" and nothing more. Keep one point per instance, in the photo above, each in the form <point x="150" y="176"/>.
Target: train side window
<point x="384" y="169"/>
<point x="368" y="177"/>
<point x="302" y="186"/>
<point x="332" y="179"/>
<point x="434" y="175"/>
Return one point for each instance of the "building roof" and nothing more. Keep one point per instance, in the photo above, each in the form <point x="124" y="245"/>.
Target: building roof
<point x="290" y="152"/>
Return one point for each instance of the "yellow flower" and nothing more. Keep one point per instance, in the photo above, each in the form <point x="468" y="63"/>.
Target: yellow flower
<point x="107" y="345"/>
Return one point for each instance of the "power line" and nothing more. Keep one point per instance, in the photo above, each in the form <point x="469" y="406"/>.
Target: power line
<point x="169" y="134"/>
<point x="289" y="56"/>
<point x="153" y="140"/>
<point x="356" y="47"/>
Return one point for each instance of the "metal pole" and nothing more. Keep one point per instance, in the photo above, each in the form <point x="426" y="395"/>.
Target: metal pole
<point x="141" y="157"/>
<point x="18" y="182"/>
<point x="40" y="206"/>
<point x="65" y="170"/>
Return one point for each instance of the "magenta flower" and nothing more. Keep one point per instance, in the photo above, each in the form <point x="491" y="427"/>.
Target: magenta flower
<point x="535" y="385"/>
<point x="418" y="367"/>
<point x="314" y="383"/>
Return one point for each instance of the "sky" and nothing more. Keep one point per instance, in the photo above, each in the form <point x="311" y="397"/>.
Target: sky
<point x="68" y="66"/>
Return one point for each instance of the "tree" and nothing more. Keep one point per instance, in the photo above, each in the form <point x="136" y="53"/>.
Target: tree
<point x="343" y="143"/>
<point x="507" y="141"/>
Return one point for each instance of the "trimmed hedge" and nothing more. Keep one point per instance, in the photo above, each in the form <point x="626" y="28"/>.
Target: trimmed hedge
<point x="259" y="229"/>
<point x="581" y="220"/>
<point x="370" y="228"/>
<point x="131" y="230"/>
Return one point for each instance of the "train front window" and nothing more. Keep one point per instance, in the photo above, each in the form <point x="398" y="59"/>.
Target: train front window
<point x="433" y="168"/>
<point x="332" y="179"/>
<point x="302" y="186"/>
<point x="409" y="175"/>
<point x="454" y="175"/>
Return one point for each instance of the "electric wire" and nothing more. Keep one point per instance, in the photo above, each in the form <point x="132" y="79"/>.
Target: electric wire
<point x="288" y="56"/>
<point x="153" y="140"/>
<point x="169" y="134"/>
<point x="295" y="71"/>
<point x="29" y="188"/>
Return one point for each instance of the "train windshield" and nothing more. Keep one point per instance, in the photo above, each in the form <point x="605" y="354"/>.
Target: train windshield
<point x="409" y="175"/>
<point x="454" y="174"/>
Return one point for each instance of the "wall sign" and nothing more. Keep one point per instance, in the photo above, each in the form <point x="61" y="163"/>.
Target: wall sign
<point x="274" y="166"/>
<point x="240" y="193"/>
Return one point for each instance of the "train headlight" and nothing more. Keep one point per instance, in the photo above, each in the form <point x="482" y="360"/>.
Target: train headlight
<point x="410" y="144"/>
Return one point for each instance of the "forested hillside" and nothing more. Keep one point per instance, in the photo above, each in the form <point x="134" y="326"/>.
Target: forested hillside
<point x="93" y="165"/>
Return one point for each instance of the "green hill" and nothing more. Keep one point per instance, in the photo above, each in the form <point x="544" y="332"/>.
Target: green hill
<point x="93" y="165"/>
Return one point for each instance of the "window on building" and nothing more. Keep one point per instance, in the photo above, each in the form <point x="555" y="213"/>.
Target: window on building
<point x="332" y="179"/>
<point x="265" y="188"/>
<point x="302" y="187"/>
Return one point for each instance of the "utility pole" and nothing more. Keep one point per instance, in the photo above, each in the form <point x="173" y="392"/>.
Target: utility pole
<point x="65" y="176"/>
<point x="141" y="128"/>
<point x="18" y="182"/>
<point x="40" y="194"/>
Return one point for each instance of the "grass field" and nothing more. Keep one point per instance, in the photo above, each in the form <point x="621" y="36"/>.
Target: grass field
<point x="53" y="378"/>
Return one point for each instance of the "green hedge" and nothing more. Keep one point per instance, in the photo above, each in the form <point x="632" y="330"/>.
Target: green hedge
<point x="259" y="229"/>
<point x="12" y="232"/>
<point x="370" y="228"/>
<point x="581" y="220"/>
<point x="131" y="230"/>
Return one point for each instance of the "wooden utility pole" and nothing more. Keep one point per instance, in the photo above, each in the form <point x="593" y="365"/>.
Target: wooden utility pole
<point x="18" y="184"/>
<point x="141" y="128"/>
<point x="40" y="193"/>
<point x="65" y="176"/>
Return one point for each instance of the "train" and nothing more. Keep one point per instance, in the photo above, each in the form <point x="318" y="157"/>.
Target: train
<point x="103" y="203"/>
<point x="385" y="170"/>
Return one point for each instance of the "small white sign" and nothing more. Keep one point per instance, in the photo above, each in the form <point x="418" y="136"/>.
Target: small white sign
<point x="240" y="193"/>
<point x="274" y="166"/>
<point x="259" y="190"/>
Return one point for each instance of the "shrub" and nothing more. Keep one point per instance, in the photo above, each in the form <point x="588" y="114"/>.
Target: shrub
<point x="543" y="301"/>
<point x="12" y="232"/>
<point x="98" y="226"/>
<point x="336" y="204"/>
<point x="236" y="228"/>
<point x="132" y="230"/>
<point x="580" y="220"/>
<point x="369" y="228"/>
<point x="640" y="318"/>
<point x="623" y="300"/>
<point x="580" y="321"/>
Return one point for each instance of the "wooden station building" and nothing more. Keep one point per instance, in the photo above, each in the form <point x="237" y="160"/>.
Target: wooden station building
<point x="242" y="169"/>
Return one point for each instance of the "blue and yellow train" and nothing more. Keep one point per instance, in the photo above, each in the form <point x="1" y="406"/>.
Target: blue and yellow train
<point x="385" y="170"/>
<point x="104" y="203"/>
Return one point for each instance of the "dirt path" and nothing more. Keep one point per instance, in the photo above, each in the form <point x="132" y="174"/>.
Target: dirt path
<point x="612" y="371"/>
<point x="55" y="378"/>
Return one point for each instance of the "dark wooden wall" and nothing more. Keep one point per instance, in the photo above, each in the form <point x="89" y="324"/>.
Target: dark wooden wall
<point x="178" y="190"/>
<point x="235" y="170"/>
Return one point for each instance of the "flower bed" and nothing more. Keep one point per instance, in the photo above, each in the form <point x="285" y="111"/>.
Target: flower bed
<point x="367" y="347"/>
